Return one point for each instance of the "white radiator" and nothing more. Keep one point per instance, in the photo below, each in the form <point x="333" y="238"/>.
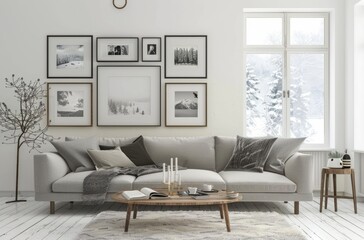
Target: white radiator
<point x="319" y="161"/>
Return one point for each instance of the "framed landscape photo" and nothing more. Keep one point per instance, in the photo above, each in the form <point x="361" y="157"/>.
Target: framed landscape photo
<point x="186" y="104"/>
<point x="151" y="49"/>
<point x="128" y="95"/>
<point x="185" y="56"/>
<point x="117" y="49"/>
<point x="69" y="104"/>
<point x="69" y="56"/>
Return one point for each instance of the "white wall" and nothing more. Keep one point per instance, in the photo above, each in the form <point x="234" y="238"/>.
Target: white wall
<point x="24" y="26"/>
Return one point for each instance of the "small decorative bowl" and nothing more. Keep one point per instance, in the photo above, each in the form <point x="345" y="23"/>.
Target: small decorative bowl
<point x="232" y="194"/>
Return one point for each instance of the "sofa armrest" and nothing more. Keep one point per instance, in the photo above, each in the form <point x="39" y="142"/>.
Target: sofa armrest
<point x="48" y="167"/>
<point x="299" y="169"/>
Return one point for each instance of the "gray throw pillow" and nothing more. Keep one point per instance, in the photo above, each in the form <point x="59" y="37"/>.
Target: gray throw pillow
<point x="135" y="151"/>
<point x="282" y="150"/>
<point x="250" y="154"/>
<point x="109" y="158"/>
<point x="75" y="153"/>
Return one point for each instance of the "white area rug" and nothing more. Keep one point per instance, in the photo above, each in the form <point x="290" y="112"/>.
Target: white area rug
<point x="190" y="225"/>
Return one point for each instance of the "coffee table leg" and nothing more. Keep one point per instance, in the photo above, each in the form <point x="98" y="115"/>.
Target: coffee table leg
<point x="221" y="211"/>
<point x="127" y="220"/>
<point x="135" y="211"/>
<point x="227" y="219"/>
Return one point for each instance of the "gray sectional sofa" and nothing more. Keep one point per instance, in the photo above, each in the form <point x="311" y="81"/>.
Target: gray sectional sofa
<point x="205" y="159"/>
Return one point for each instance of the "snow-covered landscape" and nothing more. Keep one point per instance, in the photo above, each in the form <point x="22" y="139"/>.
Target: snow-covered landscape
<point x="186" y="108"/>
<point x="70" y="56"/>
<point x="186" y="104"/>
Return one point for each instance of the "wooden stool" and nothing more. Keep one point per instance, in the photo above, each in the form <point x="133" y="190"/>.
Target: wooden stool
<point x="325" y="174"/>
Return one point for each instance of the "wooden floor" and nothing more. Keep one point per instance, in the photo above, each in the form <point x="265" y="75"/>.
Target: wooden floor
<point x="31" y="220"/>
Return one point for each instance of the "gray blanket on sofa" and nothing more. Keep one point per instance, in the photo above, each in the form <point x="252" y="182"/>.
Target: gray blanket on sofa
<point x="96" y="185"/>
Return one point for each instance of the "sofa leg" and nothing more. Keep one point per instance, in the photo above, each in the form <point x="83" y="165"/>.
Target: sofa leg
<point x="296" y="207"/>
<point x="52" y="207"/>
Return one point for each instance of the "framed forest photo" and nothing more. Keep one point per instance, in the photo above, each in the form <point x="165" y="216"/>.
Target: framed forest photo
<point x="69" y="56"/>
<point x="117" y="49"/>
<point x="186" y="104"/>
<point x="69" y="104"/>
<point x="185" y="56"/>
<point x="128" y="95"/>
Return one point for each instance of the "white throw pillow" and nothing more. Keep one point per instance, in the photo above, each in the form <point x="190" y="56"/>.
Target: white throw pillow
<point x="110" y="158"/>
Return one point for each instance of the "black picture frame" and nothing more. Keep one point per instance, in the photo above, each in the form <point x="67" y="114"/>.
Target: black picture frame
<point x="102" y="56"/>
<point x="105" y="121"/>
<point x="52" y="69"/>
<point x="153" y="40"/>
<point x="183" y="71"/>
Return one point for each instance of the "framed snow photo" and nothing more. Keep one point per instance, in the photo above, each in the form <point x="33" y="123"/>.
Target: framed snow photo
<point x="128" y="95"/>
<point x="69" y="56"/>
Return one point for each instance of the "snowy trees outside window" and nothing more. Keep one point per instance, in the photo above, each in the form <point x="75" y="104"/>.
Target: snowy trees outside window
<point x="286" y="75"/>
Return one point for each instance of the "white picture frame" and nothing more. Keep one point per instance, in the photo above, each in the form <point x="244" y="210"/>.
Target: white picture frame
<point x="186" y="104"/>
<point x="69" y="104"/>
<point x="128" y="95"/>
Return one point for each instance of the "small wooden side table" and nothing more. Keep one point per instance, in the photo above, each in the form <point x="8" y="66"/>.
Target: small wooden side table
<point x="325" y="174"/>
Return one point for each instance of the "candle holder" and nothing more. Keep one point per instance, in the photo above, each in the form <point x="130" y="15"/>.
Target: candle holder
<point x="173" y="180"/>
<point x="172" y="189"/>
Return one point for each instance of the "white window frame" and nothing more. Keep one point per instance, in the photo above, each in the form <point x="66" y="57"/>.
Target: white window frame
<point x="286" y="50"/>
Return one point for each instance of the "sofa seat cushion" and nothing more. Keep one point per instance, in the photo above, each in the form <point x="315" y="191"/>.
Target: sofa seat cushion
<point x="190" y="178"/>
<point x="254" y="182"/>
<point x="73" y="182"/>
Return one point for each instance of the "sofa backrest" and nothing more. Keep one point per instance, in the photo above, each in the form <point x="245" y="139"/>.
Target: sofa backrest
<point x="192" y="152"/>
<point x="107" y="141"/>
<point x="224" y="147"/>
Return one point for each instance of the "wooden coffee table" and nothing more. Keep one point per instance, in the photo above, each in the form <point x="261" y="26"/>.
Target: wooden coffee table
<point x="218" y="199"/>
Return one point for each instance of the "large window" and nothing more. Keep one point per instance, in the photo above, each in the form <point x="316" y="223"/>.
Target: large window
<point x="286" y="63"/>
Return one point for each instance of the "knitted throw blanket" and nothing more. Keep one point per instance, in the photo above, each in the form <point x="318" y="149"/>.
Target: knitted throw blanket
<point x="96" y="185"/>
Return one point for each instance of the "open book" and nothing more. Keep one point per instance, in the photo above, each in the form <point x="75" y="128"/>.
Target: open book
<point x="144" y="193"/>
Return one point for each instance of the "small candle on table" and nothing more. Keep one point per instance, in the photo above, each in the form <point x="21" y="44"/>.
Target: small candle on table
<point x="164" y="173"/>
<point x="169" y="174"/>
<point x="172" y="173"/>
<point x="176" y="165"/>
<point x="179" y="179"/>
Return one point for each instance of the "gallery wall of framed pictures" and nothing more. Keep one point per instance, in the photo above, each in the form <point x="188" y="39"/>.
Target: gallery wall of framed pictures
<point x="127" y="95"/>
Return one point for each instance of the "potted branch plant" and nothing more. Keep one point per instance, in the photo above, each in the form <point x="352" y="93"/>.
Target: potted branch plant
<point x="23" y="125"/>
<point x="335" y="160"/>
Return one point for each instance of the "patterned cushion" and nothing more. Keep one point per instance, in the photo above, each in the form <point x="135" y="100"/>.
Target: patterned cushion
<point x="250" y="154"/>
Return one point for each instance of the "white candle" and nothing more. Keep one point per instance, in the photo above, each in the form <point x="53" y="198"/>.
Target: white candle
<point x="176" y="165"/>
<point x="164" y="173"/>
<point x="179" y="179"/>
<point x="169" y="174"/>
<point x="172" y="173"/>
